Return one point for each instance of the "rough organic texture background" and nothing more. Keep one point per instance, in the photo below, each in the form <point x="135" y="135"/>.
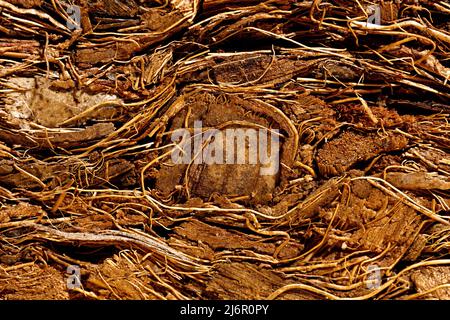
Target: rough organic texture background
<point x="359" y="207"/>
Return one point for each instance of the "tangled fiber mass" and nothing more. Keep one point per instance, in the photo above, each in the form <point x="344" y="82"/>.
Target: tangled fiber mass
<point x="88" y="102"/>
